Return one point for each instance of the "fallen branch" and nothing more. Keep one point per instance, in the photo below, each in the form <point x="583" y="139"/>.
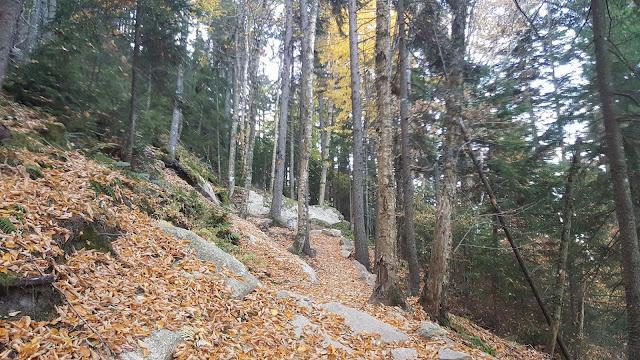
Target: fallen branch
<point x="505" y="228"/>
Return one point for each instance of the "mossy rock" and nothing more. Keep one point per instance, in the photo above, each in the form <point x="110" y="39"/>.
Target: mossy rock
<point x="96" y="235"/>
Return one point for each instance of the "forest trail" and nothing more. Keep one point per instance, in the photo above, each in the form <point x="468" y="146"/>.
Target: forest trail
<point x="114" y="302"/>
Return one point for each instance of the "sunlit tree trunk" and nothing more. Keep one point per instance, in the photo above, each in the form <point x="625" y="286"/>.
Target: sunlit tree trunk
<point x="309" y="14"/>
<point x="387" y="289"/>
<point x="177" y="112"/>
<point x="285" y="85"/>
<point x="630" y="254"/>
<point x="433" y="297"/>
<point x="238" y="88"/>
<point x="325" y="139"/>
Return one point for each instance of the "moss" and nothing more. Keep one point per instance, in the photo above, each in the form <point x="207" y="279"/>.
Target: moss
<point x="54" y="132"/>
<point x="345" y="228"/>
<point x="9" y="278"/>
<point x="28" y="141"/>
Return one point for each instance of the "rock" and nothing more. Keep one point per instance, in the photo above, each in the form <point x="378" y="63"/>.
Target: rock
<point x="207" y="251"/>
<point x="205" y="187"/>
<point x="322" y="216"/>
<point x="428" y="330"/>
<point x="4" y="132"/>
<point x="301" y="300"/>
<point x="332" y="232"/>
<point x="361" y="322"/>
<point x="346" y="243"/>
<point x="365" y="275"/>
<point x="162" y="344"/>
<point x="315" y="232"/>
<point x="404" y="353"/>
<point x="308" y="269"/>
<point x="302" y="324"/>
<point x="345" y="253"/>
<point x="448" y="354"/>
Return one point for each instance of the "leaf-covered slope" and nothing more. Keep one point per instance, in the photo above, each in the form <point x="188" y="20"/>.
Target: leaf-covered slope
<point x="111" y="301"/>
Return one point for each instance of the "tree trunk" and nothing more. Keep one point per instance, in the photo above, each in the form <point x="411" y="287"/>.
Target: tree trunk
<point x="309" y="14"/>
<point x="285" y="77"/>
<point x="433" y="298"/>
<point x="409" y="227"/>
<point x="253" y="115"/>
<point x="325" y="139"/>
<point x="360" y="235"/>
<point x="387" y="289"/>
<point x="128" y="153"/>
<point x="275" y="146"/>
<point x="292" y="173"/>
<point x="177" y="112"/>
<point x="9" y="15"/>
<point x="620" y="180"/>
<point x="238" y="88"/>
<point x="558" y="297"/>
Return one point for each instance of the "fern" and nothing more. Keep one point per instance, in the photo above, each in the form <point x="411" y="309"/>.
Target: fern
<point x="7" y="226"/>
<point x="101" y="188"/>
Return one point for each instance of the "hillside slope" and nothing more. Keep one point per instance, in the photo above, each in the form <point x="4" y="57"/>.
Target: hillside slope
<point x="87" y="237"/>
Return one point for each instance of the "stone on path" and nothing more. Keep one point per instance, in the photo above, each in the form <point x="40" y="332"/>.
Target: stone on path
<point x="448" y="354"/>
<point x="208" y="251"/>
<point x="302" y="325"/>
<point x="428" y="330"/>
<point x="362" y="322"/>
<point x="345" y="253"/>
<point x="404" y="353"/>
<point x="365" y="275"/>
<point x="161" y="345"/>
<point x="301" y="300"/>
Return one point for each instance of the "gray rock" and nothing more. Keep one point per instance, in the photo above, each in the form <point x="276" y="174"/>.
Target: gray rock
<point x="361" y="322"/>
<point x="332" y="232"/>
<point x="301" y="300"/>
<point x="315" y="232"/>
<point x="404" y="353"/>
<point x="448" y="354"/>
<point x="365" y="275"/>
<point x="207" y="190"/>
<point x="207" y="251"/>
<point x="162" y="344"/>
<point x="346" y="243"/>
<point x="302" y="325"/>
<point x="345" y="253"/>
<point x="309" y="270"/>
<point x="428" y="330"/>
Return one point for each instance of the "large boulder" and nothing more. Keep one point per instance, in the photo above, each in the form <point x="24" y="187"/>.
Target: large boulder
<point x="322" y="216"/>
<point x="207" y="251"/>
<point x="404" y="353"/>
<point x="160" y="344"/>
<point x="361" y="322"/>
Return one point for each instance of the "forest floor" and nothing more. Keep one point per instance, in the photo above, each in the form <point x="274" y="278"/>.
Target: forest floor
<point x="107" y="302"/>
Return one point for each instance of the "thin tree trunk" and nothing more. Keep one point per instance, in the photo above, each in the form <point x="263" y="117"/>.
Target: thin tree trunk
<point x="411" y="251"/>
<point x="285" y="85"/>
<point x="292" y="174"/>
<point x="275" y="146"/>
<point x="565" y="238"/>
<point x="253" y="118"/>
<point x="387" y="289"/>
<point x="128" y="154"/>
<point x="325" y="138"/>
<point x="360" y="235"/>
<point x="237" y="109"/>
<point x="177" y="112"/>
<point x="630" y="254"/>
<point x="9" y="15"/>
<point x="434" y="293"/>
<point x="309" y="14"/>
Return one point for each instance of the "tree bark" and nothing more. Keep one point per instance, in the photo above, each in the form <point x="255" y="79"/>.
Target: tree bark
<point x="357" y="188"/>
<point x="558" y="297"/>
<point x="9" y="15"/>
<point x="325" y="139"/>
<point x="411" y="251"/>
<point x="285" y="85"/>
<point x="387" y="289"/>
<point x="128" y="154"/>
<point x="177" y="112"/>
<point x="630" y="256"/>
<point x="434" y="294"/>
<point x="309" y="14"/>
<point x="238" y="88"/>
